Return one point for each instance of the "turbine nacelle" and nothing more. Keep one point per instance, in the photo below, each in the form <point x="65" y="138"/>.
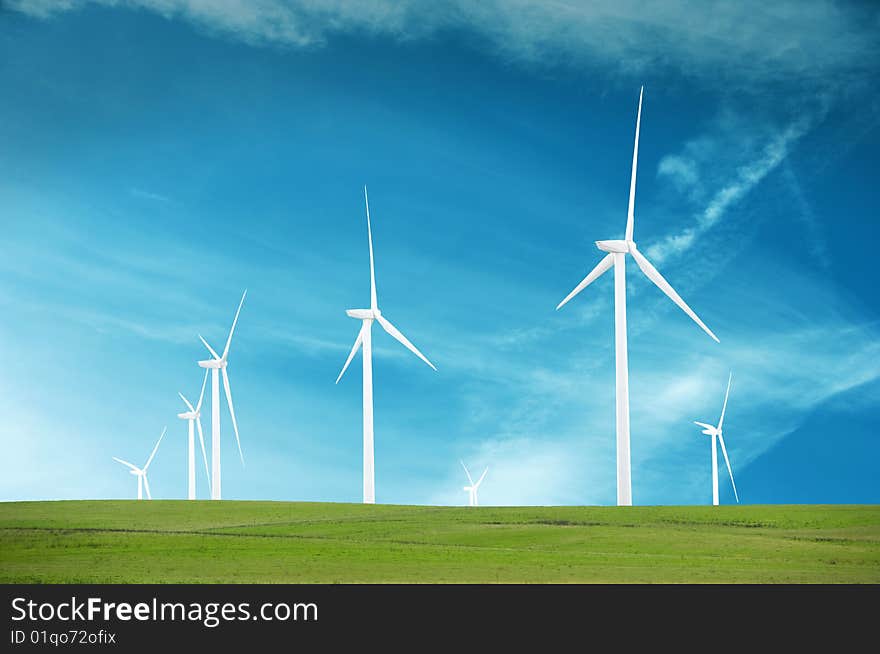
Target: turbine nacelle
<point x="189" y="415"/>
<point x="709" y="430"/>
<point x="213" y="363"/>
<point x="621" y="246"/>
<point x="363" y="314"/>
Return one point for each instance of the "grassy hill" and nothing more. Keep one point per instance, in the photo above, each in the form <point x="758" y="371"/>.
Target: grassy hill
<point x="203" y="541"/>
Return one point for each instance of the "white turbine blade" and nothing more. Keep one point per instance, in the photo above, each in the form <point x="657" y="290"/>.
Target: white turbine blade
<point x="147" y="485"/>
<point x="210" y="349"/>
<point x="126" y="463"/>
<point x="632" y="182"/>
<point x="482" y="477"/>
<point x="470" y="481"/>
<point x="393" y="331"/>
<point x="202" y="394"/>
<point x="705" y="426"/>
<point x="652" y="273"/>
<point x="232" y="412"/>
<point x="729" y="471"/>
<point x="153" y="453"/>
<point x="357" y="344"/>
<point x="595" y="273"/>
<point x="235" y="320"/>
<point x="373" y="302"/>
<point x="186" y="401"/>
<point x="204" y="454"/>
<point x="724" y="408"/>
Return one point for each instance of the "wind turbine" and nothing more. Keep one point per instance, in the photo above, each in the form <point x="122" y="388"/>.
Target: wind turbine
<point x="617" y="251"/>
<point x="194" y="416"/>
<point x="364" y="340"/>
<point x="142" y="472"/>
<point x="717" y="433"/>
<point x="472" y="489"/>
<point x="216" y="365"/>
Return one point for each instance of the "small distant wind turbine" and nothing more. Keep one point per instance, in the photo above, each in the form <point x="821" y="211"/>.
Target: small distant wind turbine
<point x="215" y="365"/>
<point x="194" y="416"/>
<point x="617" y="251"/>
<point x="142" y="472"/>
<point x="364" y="340"/>
<point x="717" y="432"/>
<point x="472" y="489"/>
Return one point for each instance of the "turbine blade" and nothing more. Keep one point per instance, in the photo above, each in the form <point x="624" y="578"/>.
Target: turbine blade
<point x="482" y="477"/>
<point x="724" y="408"/>
<point x="729" y="471"/>
<point x="210" y="349"/>
<point x="705" y="426"/>
<point x="232" y="412"/>
<point x="373" y="302"/>
<point x="632" y="181"/>
<point x="235" y="320"/>
<point x="186" y="401"/>
<point x="147" y="485"/>
<point x="652" y="273"/>
<point x="153" y="453"/>
<point x="391" y="329"/>
<point x="204" y="453"/>
<point x="202" y="394"/>
<point x="595" y="273"/>
<point x="357" y="344"/>
<point x="126" y="463"/>
<point x="470" y="481"/>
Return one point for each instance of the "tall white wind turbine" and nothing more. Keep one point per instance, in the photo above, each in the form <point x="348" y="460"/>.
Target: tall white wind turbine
<point x="141" y="473"/>
<point x="364" y="340"/>
<point x="716" y="432"/>
<point x="617" y="251"/>
<point x="193" y="416"/>
<point x="472" y="489"/>
<point x="216" y="365"/>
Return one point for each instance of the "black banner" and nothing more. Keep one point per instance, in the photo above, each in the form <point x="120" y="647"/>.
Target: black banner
<point x="150" y="617"/>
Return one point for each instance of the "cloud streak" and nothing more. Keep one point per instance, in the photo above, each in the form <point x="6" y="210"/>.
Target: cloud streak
<point x="682" y="170"/>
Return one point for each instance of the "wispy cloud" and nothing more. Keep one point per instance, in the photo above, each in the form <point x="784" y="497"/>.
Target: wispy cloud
<point x="148" y="195"/>
<point x="819" y="42"/>
<point x="685" y="170"/>
<point x="804" y="212"/>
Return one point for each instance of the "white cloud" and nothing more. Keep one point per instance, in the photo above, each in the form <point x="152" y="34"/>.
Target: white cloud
<point x="682" y="170"/>
<point x="685" y="170"/>
<point x="819" y="42"/>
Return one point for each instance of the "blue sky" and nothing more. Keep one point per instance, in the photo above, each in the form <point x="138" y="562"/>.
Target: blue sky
<point x="158" y="157"/>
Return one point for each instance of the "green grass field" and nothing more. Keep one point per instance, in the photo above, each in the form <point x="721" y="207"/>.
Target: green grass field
<point x="265" y="542"/>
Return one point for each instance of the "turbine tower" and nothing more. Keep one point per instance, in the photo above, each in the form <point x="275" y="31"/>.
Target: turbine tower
<point x="472" y="489"/>
<point x="141" y="473"/>
<point x="194" y="416"/>
<point x="216" y="365"/>
<point x="617" y="251"/>
<point x="364" y="340"/>
<point x="716" y="432"/>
